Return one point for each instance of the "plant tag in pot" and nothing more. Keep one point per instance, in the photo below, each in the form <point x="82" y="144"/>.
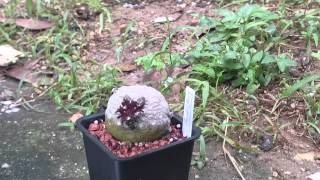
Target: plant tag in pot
<point x="188" y="112"/>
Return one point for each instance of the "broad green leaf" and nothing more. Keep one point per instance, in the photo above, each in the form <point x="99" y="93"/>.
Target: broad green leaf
<point x="238" y="82"/>
<point x="265" y="15"/>
<point x="205" y="70"/>
<point x="216" y="37"/>
<point x="252" y="38"/>
<point x="268" y="59"/>
<point x="251" y="88"/>
<point x="316" y="55"/>
<point x="271" y="29"/>
<point x="246" y="60"/>
<point x="251" y="75"/>
<point x="231" y="25"/>
<point x="230" y="64"/>
<point x="230" y="55"/>
<point x="205" y="93"/>
<point x="205" y="21"/>
<point x="257" y="57"/>
<point x="298" y="85"/>
<point x="227" y="14"/>
<point x="246" y="11"/>
<point x="265" y="79"/>
<point x="284" y="62"/>
<point x="254" y="25"/>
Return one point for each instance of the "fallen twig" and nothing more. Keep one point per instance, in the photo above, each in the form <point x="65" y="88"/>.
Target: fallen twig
<point x="226" y="152"/>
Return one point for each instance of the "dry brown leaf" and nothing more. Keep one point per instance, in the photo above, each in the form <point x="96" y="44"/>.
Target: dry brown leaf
<point x="75" y="117"/>
<point x="175" y="93"/>
<point x="127" y="67"/>
<point x="309" y="156"/>
<point x="33" y="24"/>
<point x="8" y="55"/>
<point x="26" y="73"/>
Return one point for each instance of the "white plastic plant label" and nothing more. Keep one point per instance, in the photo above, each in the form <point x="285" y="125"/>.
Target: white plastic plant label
<point x="188" y="112"/>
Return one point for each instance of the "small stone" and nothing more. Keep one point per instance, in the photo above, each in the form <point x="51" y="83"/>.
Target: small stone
<point x="140" y="32"/>
<point x="183" y="5"/>
<point x="196" y="176"/>
<point x="96" y="122"/>
<point x="287" y="173"/>
<point x="91" y="34"/>
<point x="163" y="142"/>
<point x="6" y="102"/>
<point x="141" y="23"/>
<point x="275" y="174"/>
<point x="267" y="143"/>
<point x="13" y="110"/>
<point x="93" y="127"/>
<point x="5" y="166"/>
<point x="178" y="126"/>
<point x="293" y="105"/>
<point x="315" y="176"/>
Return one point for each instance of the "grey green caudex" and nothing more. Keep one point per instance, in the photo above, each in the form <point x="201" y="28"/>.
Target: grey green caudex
<point x="137" y="114"/>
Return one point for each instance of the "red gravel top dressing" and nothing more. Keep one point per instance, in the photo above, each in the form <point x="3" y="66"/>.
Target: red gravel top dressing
<point x="126" y="149"/>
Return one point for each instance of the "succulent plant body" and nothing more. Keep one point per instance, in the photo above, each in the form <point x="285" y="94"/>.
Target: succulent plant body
<point x="137" y="114"/>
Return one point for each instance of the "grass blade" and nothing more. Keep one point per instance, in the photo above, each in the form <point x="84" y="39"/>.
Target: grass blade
<point x="298" y="85"/>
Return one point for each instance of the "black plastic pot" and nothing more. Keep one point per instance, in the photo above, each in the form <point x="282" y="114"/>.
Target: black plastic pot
<point x="169" y="162"/>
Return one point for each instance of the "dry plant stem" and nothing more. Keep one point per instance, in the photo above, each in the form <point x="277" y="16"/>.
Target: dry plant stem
<point x="232" y="159"/>
<point x="26" y="103"/>
<point x="298" y="47"/>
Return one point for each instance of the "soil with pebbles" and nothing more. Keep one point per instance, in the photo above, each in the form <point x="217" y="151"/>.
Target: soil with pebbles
<point x="126" y="149"/>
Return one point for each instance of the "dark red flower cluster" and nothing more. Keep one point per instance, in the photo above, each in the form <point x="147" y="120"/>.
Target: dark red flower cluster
<point x="130" y="111"/>
<point x="126" y="149"/>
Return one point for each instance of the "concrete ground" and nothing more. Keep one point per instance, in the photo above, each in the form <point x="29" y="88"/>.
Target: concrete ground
<point x="33" y="147"/>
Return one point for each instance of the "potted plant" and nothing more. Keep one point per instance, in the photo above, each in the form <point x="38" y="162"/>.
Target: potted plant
<point x="136" y="138"/>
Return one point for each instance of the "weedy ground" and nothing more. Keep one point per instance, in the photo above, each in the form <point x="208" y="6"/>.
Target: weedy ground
<point x="254" y="64"/>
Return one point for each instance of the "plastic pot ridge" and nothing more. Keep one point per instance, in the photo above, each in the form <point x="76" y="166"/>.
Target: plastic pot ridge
<point x="169" y="162"/>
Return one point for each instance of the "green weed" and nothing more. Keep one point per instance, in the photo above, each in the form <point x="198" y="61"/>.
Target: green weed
<point x="86" y="93"/>
<point x="309" y="25"/>
<point x="309" y="89"/>
<point x="236" y="48"/>
<point x="200" y="160"/>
